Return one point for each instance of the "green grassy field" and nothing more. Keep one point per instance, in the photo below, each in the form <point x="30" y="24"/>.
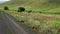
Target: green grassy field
<point x="47" y="22"/>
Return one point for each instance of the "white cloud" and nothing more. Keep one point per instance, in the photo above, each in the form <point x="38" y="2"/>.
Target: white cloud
<point x="4" y="0"/>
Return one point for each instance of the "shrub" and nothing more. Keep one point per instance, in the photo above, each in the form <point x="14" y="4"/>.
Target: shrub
<point x="22" y="21"/>
<point x="21" y="9"/>
<point x="30" y="11"/>
<point x="6" y="8"/>
<point x="40" y="12"/>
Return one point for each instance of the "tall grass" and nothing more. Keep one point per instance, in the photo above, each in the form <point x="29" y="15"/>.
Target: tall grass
<point x="45" y="22"/>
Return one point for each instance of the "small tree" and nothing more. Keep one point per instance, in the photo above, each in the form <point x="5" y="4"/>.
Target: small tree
<point x="6" y="8"/>
<point x="21" y="9"/>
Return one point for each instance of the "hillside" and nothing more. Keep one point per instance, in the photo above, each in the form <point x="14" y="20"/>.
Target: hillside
<point x="45" y="14"/>
<point x="35" y="5"/>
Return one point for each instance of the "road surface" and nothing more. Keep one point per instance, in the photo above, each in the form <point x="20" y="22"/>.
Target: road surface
<point x="3" y="27"/>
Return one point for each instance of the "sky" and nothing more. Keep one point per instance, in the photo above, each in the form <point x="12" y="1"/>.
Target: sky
<point x="2" y="1"/>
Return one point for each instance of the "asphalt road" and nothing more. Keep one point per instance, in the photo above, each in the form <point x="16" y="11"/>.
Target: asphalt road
<point x="3" y="28"/>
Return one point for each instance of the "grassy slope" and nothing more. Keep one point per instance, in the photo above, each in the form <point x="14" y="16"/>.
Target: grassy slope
<point x="36" y="19"/>
<point x="45" y="22"/>
<point x="35" y="5"/>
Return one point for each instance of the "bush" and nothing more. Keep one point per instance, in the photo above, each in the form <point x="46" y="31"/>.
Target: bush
<point x="40" y="12"/>
<point x="21" y="9"/>
<point x="6" y="8"/>
<point x="22" y="21"/>
<point x="30" y="11"/>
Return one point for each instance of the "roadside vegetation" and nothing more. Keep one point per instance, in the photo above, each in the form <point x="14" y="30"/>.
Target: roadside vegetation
<point x="44" y="17"/>
<point x="38" y="22"/>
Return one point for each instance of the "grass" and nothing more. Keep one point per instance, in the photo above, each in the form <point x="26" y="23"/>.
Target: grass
<point x="36" y="19"/>
<point x="51" y="8"/>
